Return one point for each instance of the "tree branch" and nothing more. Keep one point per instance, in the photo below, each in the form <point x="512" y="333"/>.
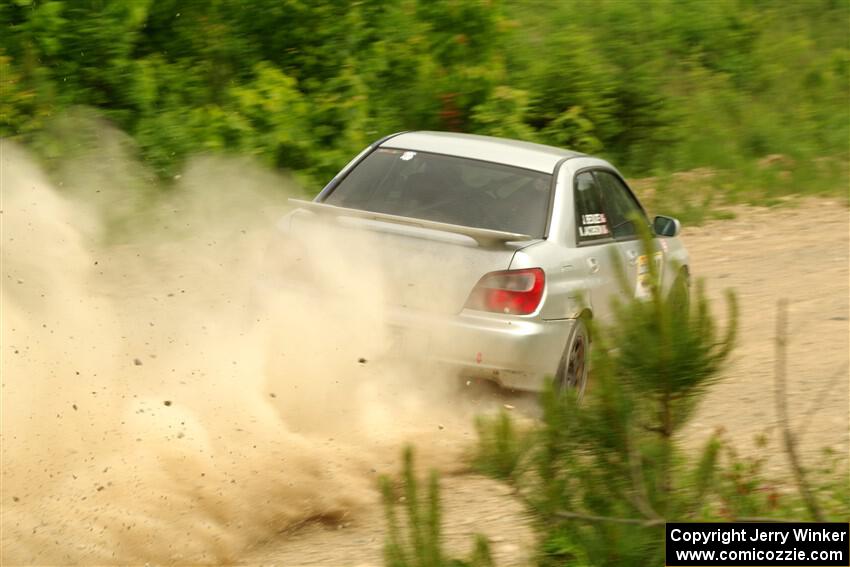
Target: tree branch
<point x="815" y="405"/>
<point x="612" y="519"/>
<point x="772" y="520"/>
<point x="658" y="521"/>
<point x="640" y="497"/>
<point x="782" y="412"/>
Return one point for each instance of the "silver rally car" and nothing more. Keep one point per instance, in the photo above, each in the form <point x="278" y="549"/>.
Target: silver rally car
<point x="512" y="247"/>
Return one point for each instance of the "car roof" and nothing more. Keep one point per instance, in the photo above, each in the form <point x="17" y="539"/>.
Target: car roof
<point x="537" y="157"/>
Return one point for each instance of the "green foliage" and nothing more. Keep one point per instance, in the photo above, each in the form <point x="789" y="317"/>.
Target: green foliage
<point x="501" y="447"/>
<point x="665" y="353"/>
<point x="422" y="545"/>
<point x="502" y="115"/>
<point x="742" y="487"/>
<point x="658" y="87"/>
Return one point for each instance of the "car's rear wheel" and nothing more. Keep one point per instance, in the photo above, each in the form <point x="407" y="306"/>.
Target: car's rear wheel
<point x="573" y="368"/>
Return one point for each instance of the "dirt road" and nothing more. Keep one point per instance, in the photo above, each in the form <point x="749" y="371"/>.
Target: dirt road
<point x="798" y="252"/>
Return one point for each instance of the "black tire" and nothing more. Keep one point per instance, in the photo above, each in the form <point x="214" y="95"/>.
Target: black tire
<point x="573" y="368"/>
<point x="680" y="293"/>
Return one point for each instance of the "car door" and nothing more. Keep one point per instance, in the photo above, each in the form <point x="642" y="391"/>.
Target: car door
<point x="596" y="249"/>
<point x="621" y="207"/>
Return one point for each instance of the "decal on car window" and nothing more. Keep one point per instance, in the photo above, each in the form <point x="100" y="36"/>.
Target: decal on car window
<point x="407" y="156"/>
<point x="595" y="218"/>
<point x="593" y="224"/>
<point x="593" y="230"/>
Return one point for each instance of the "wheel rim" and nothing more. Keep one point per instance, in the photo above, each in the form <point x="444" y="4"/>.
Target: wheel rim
<point x="575" y="375"/>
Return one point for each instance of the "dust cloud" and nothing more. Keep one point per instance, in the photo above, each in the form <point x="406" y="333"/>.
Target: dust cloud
<point x="179" y="382"/>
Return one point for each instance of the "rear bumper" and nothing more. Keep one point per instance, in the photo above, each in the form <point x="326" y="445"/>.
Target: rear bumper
<point x="513" y="351"/>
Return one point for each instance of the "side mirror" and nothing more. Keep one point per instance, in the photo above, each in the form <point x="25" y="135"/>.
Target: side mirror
<point x="666" y="226"/>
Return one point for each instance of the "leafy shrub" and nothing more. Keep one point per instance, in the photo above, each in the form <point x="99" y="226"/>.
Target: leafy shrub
<point x="683" y="85"/>
<point x="502" y="447"/>
<point x="421" y="546"/>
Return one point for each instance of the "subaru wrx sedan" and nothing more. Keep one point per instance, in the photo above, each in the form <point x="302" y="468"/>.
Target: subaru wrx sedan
<point x="527" y="239"/>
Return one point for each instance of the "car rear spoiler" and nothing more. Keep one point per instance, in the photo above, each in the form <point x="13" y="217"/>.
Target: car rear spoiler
<point x="485" y="237"/>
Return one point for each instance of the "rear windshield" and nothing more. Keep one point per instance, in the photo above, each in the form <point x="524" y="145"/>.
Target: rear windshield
<point x="447" y="189"/>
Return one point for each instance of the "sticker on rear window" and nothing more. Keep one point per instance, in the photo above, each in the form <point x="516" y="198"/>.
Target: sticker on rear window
<point x="593" y="230"/>
<point x="407" y="156"/>
<point x="593" y="224"/>
<point x="596" y="218"/>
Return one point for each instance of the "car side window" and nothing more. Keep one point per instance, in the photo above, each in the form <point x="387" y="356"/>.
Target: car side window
<point x="591" y="221"/>
<point x="619" y="204"/>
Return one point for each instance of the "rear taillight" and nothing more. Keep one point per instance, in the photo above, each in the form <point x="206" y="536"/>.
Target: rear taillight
<point x="515" y="292"/>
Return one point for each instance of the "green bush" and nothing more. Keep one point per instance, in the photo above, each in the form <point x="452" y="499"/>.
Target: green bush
<point x="422" y="545"/>
<point x="609" y="472"/>
<point x="666" y="86"/>
<point x="502" y="447"/>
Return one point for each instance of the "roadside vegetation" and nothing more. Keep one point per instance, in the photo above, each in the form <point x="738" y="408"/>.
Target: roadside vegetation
<point x="602" y="475"/>
<point x="751" y="96"/>
<point x="415" y="540"/>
